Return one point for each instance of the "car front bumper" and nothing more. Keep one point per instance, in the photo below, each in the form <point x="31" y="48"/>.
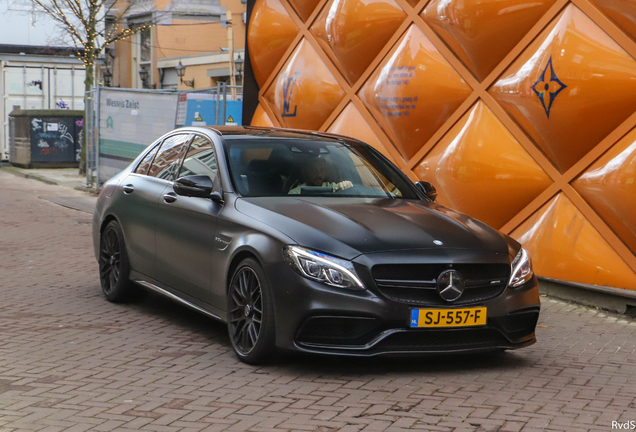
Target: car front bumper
<point x="316" y="318"/>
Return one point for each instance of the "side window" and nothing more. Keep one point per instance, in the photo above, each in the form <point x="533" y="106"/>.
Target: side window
<point x="200" y="159"/>
<point x="143" y="166"/>
<point x="168" y="156"/>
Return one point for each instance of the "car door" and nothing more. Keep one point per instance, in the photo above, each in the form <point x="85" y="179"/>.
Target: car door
<point x="139" y="204"/>
<point x="136" y="209"/>
<point x="186" y="230"/>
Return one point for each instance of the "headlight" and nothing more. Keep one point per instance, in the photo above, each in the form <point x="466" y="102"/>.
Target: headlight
<point x="521" y="269"/>
<point x="323" y="268"/>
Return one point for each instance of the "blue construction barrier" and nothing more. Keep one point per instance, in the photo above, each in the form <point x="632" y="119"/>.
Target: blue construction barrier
<point x="202" y="110"/>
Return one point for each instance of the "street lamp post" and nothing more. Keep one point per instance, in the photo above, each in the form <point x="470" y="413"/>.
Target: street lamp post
<point x="143" y="74"/>
<point x="107" y="78"/>
<point x="181" y="72"/>
<point x="239" y="62"/>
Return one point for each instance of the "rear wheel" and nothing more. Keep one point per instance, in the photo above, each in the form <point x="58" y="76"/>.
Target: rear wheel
<point x="114" y="267"/>
<point x="251" y="313"/>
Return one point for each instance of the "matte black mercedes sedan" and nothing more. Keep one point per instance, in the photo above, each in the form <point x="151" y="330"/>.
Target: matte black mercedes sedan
<point x="309" y="242"/>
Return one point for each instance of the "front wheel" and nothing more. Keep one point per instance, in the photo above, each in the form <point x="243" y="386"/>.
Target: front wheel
<point x="251" y="313"/>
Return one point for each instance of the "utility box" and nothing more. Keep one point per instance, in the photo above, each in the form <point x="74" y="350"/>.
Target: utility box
<point x="45" y="138"/>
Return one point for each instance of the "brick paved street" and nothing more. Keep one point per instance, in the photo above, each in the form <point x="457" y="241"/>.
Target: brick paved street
<point x="69" y="360"/>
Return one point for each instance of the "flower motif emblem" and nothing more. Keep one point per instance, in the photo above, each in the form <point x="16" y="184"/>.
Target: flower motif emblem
<point x="547" y="87"/>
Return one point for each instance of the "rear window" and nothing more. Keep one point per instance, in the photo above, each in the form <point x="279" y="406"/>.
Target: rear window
<point x="143" y="166"/>
<point x="166" y="162"/>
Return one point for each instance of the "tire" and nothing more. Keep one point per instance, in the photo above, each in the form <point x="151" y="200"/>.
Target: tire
<point x="114" y="267"/>
<point x="250" y="316"/>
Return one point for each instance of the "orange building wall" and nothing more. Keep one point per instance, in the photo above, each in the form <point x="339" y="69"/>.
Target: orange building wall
<point x="182" y="38"/>
<point x="188" y="38"/>
<point x="521" y="112"/>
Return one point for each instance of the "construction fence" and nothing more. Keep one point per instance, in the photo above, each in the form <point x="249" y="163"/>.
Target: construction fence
<point x="121" y="123"/>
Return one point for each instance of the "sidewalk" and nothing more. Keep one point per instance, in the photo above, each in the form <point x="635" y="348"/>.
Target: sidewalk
<point x="68" y="177"/>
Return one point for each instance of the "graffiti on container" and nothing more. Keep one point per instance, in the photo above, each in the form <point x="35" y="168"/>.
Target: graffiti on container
<point x="55" y="139"/>
<point x="288" y="88"/>
<point x="62" y="105"/>
<point x="35" y="83"/>
<point x="49" y="151"/>
<point x="61" y="144"/>
<point x="36" y="124"/>
<point x="46" y="149"/>
<point x="80" y="138"/>
<point x="65" y="134"/>
<point x="79" y="123"/>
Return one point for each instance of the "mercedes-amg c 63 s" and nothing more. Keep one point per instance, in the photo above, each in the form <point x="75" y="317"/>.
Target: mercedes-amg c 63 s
<point x="309" y="242"/>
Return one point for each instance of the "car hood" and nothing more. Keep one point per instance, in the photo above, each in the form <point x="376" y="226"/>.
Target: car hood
<point x="348" y="227"/>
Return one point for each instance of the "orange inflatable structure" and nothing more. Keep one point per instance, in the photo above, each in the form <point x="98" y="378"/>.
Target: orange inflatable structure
<point x="521" y="112"/>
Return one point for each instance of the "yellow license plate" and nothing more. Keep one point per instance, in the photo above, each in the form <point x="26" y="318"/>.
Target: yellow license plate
<point x="448" y="317"/>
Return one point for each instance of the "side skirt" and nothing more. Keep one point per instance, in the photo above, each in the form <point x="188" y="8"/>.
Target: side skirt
<point x="174" y="297"/>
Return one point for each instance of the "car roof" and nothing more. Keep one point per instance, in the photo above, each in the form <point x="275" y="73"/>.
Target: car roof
<point x="255" y="132"/>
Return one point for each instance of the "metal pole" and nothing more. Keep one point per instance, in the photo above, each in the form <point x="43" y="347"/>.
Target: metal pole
<point x="96" y="129"/>
<point x="5" y="125"/>
<point x="24" y="88"/>
<point x="56" y="88"/>
<point x="43" y="94"/>
<point x="72" y="87"/>
<point x="224" y="104"/>
<point x="88" y="135"/>
<point x="230" y="43"/>
<point x="218" y="102"/>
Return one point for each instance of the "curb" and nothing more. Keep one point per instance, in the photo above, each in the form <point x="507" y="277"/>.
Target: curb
<point x="622" y="301"/>
<point x="10" y="169"/>
<point x="86" y="189"/>
<point x="17" y="172"/>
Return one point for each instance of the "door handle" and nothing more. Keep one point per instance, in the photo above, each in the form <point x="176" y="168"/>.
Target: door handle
<point x="128" y="189"/>
<point x="170" y="197"/>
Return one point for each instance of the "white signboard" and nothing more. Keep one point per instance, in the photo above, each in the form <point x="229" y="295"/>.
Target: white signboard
<point x="129" y="121"/>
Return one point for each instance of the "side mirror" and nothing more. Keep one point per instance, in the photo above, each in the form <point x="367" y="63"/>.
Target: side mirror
<point x="427" y="189"/>
<point x="200" y="186"/>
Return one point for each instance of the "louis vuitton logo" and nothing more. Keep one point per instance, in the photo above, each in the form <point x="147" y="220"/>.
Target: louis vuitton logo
<point x="288" y="88"/>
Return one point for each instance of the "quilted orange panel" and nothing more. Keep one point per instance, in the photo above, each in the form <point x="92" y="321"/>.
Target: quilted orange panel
<point x="482" y="169"/>
<point x="413" y="92"/>
<point x="570" y="88"/>
<point x="305" y="91"/>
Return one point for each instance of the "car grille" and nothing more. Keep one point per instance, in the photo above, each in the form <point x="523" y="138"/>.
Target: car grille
<point x="416" y="283"/>
<point x="443" y="339"/>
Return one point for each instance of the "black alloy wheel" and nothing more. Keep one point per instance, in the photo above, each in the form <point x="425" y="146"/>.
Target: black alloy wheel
<point x="110" y="260"/>
<point x="246" y="313"/>
<point x="114" y="267"/>
<point x="250" y="318"/>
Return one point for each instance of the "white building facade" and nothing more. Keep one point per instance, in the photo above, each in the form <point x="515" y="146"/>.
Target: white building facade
<point x="38" y="70"/>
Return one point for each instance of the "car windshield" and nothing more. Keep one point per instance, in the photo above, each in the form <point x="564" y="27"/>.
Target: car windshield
<point x="299" y="167"/>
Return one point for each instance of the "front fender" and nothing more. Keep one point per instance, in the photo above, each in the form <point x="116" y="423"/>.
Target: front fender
<point x="266" y="249"/>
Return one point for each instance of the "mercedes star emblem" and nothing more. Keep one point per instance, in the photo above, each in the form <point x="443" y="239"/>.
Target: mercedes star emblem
<point x="450" y="285"/>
